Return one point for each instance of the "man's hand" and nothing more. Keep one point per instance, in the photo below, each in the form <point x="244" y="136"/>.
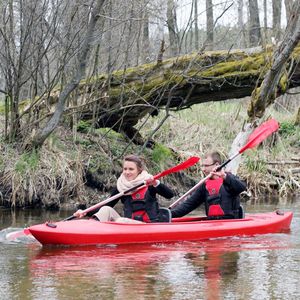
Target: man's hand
<point x="220" y="173"/>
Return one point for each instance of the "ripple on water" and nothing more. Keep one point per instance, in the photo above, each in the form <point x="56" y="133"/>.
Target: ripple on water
<point x="12" y="235"/>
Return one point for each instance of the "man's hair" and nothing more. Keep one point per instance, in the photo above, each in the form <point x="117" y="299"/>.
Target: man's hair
<point x="215" y="156"/>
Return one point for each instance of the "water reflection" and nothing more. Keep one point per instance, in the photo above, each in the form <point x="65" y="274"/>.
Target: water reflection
<point x="189" y="270"/>
<point x="259" y="267"/>
<point x="129" y="272"/>
<point x="213" y="265"/>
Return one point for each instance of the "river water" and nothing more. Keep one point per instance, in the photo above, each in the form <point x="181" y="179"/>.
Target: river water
<point x="258" y="267"/>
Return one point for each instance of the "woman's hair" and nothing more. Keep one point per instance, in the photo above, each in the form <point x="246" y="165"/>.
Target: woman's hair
<point x="215" y="156"/>
<point x="137" y="160"/>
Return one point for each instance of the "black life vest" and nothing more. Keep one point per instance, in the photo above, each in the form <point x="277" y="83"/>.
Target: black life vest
<point x="138" y="204"/>
<point x="213" y="201"/>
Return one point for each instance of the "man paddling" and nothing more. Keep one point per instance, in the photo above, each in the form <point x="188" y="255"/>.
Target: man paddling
<point x="220" y="193"/>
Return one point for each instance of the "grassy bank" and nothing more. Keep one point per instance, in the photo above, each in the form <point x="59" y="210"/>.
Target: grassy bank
<point x="271" y="168"/>
<point x="80" y="168"/>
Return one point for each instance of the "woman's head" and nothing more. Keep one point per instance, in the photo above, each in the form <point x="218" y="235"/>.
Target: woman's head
<point x="133" y="165"/>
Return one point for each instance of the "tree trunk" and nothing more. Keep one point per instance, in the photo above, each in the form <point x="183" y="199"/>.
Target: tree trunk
<point x="265" y="23"/>
<point x="276" y="6"/>
<point x="254" y="24"/>
<point x="209" y="25"/>
<point x="239" y="141"/>
<point x="172" y="27"/>
<point x="179" y="83"/>
<point x="269" y="89"/>
<point x="242" y="41"/>
<point x="288" y="8"/>
<point x="196" y="25"/>
<point x="109" y="41"/>
<point x="146" y="36"/>
<point x="263" y="96"/>
<point x="297" y="121"/>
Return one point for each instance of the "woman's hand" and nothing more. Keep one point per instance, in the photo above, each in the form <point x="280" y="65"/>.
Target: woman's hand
<point x="79" y="213"/>
<point x="152" y="181"/>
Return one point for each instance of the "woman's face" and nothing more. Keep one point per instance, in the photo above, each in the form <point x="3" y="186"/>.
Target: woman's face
<point x="130" y="170"/>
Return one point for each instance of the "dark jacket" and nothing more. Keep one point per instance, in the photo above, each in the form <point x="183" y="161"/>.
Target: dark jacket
<point x="229" y="198"/>
<point x="149" y="204"/>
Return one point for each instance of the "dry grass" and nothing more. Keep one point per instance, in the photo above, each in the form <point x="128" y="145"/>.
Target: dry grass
<point x="47" y="178"/>
<point x="213" y="126"/>
<point x="54" y="177"/>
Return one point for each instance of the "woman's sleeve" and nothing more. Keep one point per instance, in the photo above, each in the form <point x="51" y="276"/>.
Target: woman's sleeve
<point x="114" y="202"/>
<point x="164" y="191"/>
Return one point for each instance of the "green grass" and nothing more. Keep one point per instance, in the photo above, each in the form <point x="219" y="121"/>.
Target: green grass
<point x="201" y="128"/>
<point x="28" y="161"/>
<point x="214" y="126"/>
<point x="161" y="153"/>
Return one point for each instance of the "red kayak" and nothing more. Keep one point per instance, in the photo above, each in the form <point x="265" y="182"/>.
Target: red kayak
<point x="92" y="232"/>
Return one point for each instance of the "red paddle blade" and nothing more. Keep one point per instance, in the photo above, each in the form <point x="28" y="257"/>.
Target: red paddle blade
<point x="186" y="164"/>
<point x="260" y="133"/>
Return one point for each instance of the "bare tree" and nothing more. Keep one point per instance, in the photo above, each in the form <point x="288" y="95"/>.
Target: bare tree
<point x="172" y="27"/>
<point x="41" y="136"/>
<point x="265" y="21"/>
<point x="241" y="26"/>
<point x="46" y="51"/>
<point x="196" y="24"/>
<point x="266" y="94"/>
<point x="254" y="24"/>
<point x="146" y="34"/>
<point x="288" y="8"/>
<point x="26" y="34"/>
<point x="209" y="25"/>
<point x="276" y="9"/>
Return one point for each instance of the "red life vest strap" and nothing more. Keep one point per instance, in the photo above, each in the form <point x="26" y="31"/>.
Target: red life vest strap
<point x="141" y="215"/>
<point x="213" y="186"/>
<point x="139" y="194"/>
<point x="215" y="210"/>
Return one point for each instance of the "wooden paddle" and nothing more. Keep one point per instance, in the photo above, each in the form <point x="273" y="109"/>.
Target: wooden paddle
<point x="255" y="138"/>
<point x="186" y="164"/>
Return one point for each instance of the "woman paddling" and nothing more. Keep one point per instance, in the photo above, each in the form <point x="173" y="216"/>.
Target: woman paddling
<point x="141" y="205"/>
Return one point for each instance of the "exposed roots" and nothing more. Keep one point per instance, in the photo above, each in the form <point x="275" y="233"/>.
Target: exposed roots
<point x="281" y="183"/>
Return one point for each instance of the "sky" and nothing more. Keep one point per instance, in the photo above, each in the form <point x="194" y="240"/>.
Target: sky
<point x="230" y="16"/>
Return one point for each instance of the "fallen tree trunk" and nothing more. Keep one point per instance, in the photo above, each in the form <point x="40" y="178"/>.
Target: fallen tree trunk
<point x="121" y="100"/>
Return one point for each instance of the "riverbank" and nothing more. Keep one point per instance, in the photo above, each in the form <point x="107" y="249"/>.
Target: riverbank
<point x="79" y="168"/>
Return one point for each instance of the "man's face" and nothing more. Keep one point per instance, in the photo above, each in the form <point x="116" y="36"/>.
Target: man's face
<point x="208" y="165"/>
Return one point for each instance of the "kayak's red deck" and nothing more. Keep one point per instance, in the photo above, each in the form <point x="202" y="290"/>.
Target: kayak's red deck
<point x="89" y="232"/>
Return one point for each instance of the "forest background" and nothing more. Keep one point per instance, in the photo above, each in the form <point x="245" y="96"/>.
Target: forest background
<point x="85" y="82"/>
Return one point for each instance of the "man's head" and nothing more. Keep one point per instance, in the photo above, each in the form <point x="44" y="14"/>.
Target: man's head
<point x="211" y="161"/>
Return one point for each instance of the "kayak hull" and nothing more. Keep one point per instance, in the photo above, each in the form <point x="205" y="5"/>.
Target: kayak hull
<point x="92" y="232"/>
